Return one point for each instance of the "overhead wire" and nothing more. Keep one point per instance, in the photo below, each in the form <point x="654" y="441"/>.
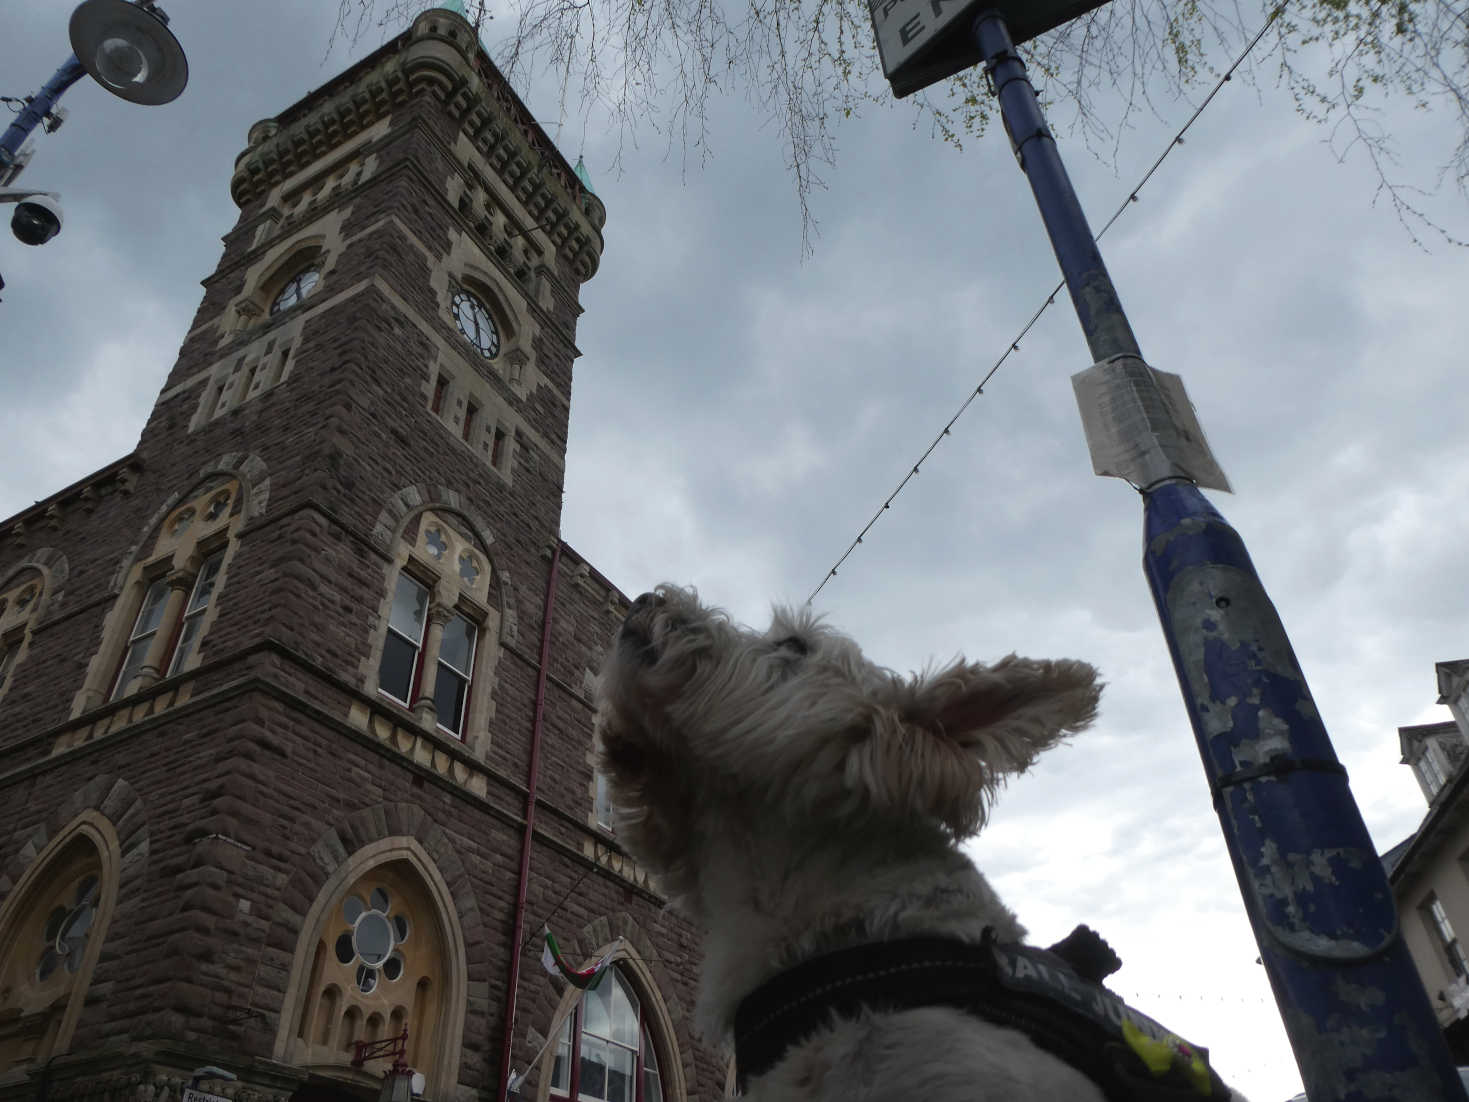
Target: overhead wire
<point x="1014" y="345"/>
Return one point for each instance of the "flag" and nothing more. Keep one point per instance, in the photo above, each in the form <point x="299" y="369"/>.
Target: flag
<point x="582" y="978"/>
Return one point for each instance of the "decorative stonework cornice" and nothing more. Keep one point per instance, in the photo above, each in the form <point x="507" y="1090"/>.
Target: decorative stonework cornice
<point x="50" y="513"/>
<point x="438" y="56"/>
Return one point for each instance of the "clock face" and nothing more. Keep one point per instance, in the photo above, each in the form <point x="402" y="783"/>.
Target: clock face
<point x="296" y="288"/>
<point x="474" y="320"/>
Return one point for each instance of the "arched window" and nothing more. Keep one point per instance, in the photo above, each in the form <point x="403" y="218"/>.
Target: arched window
<point x="169" y="597"/>
<point x="178" y="591"/>
<point x="382" y="959"/>
<point x="437" y="622"/>
<point x="605" y="1052"/>
<point x="49" y="941"/>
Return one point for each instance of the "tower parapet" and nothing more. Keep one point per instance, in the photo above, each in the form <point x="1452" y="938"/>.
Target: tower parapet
<point x="439" y="56"/>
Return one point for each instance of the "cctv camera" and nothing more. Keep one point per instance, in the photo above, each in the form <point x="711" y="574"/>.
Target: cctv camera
<point x="36" y="220"/>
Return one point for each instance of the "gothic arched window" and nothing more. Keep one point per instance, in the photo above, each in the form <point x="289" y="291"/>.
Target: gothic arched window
<point x="606" y="1052"/>
<point x="49" y="942"/>
<point x="433" y="658"/>
<point x="379" y="965"/>
<point x="167" y="603"/>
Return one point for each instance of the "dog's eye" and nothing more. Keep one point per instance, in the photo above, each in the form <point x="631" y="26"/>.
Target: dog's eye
<point x="795" y="644"/>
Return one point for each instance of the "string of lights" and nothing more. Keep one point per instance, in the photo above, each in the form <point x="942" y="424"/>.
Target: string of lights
<point x="1014" y="345"/>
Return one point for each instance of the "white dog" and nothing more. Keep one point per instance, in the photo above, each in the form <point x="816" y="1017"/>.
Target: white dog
<point x="804" y="807"/>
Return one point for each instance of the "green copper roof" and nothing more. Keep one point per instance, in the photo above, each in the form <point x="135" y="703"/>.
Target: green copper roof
<point x="584" y="176"/>
<point x="455" y="6"/>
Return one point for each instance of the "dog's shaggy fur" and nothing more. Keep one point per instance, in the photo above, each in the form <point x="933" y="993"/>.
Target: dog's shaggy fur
<point x="793" y="798"/>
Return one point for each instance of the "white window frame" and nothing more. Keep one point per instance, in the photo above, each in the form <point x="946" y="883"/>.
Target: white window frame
<point x="119" y="682"/>
<point x="1437" y="920"/>
<point x="193" y="616"/>
<point x="1431" y="771"/>
<point x="602" y="802"/>
<point x="466" y="676"/>
<point x="415" y="669"/>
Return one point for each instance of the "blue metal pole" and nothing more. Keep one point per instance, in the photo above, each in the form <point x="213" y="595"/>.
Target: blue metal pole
<point x="1316" y="895"/>
<point x="1092" y="294"/>
<point x="39" y="107"/>
<point x="1315" y="892"/>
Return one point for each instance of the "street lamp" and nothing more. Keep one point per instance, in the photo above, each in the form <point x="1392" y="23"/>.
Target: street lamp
<point x="37" y="217"/>
<point x="127" y="48"/>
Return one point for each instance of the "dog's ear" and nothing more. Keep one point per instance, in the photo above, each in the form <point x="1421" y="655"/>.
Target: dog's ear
<point x="948" y="739"/>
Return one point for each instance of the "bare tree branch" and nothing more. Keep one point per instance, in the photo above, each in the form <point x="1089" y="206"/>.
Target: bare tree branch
<point x="631" y="66"/>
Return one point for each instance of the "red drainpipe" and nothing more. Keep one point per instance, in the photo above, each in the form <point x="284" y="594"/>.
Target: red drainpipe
<point x="530" y="822"/>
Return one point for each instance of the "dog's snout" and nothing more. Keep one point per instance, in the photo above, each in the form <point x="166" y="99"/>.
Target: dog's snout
<point x="647" y="600"/>
<point x="636" y="633"/>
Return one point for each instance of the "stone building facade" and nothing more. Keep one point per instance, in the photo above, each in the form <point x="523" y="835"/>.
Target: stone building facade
<point x="295" y="699"/>
<point x="1429" y="870"/>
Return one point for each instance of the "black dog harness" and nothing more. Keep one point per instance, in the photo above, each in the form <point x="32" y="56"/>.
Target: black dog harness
<point x="1128" y="1055"/>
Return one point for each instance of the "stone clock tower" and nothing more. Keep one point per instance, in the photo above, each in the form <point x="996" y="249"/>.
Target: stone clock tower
<point x="295" y="699"/>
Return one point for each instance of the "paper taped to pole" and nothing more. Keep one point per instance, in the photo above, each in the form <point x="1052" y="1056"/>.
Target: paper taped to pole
<point x="1140" y="426"/>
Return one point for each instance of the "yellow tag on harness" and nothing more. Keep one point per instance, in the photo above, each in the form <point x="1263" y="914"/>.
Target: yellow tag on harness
<point x="1161" y="1056"/>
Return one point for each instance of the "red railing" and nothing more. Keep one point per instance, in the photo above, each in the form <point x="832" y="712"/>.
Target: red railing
<point x="396" y="1047"/>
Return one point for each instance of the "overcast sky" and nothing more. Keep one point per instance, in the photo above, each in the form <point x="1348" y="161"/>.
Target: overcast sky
<point x="739" y="413"/>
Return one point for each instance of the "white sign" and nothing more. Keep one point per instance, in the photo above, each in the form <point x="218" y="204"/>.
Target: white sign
<point x="191" y="1095"/>
<point x="1140" y="425"/>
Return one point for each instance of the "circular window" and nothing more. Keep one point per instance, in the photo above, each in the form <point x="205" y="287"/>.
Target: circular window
<point x="473" y="318"/>
<point x="182" y="521"/>
<point x="25" y="597"/>
<point x="217" y="505"/>
<point x="436" y="543"/>
<point x="296" y="288"/>
<point x="373" y="937"/>
<point x="371" y="940"/>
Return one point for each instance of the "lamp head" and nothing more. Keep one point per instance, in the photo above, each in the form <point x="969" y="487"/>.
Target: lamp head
<point x="37" y="217"/>
<point x="129" y="50"/>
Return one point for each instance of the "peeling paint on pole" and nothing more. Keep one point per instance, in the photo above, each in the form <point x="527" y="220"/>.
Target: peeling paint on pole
<point x="1324" y="916"/>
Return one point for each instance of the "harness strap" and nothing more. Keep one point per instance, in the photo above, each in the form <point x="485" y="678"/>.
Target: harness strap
<point x="1023" y="988"/>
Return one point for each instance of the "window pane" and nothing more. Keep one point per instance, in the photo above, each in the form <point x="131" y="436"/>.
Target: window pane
<point x="152" y="610"/>
<point x="204" y="586"/>
<point x="457" y="648"/>
<point x="395" y="675"/>
<point x="132" y="662"/>
<point x="652" y="1089"/>
<point x="450" y="691"/>
<point x="602" y="802"/>
<point x="597" y="1009"/>
<point x="650" y="1058"/>
<point x="561" y="1069"/>
<point x="593" y="1083"/>
<point x="621" y="1067"/>
<point x="624" y="1013"/>
<point x="186" y="643"/>
<point x="410" y="602"/>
